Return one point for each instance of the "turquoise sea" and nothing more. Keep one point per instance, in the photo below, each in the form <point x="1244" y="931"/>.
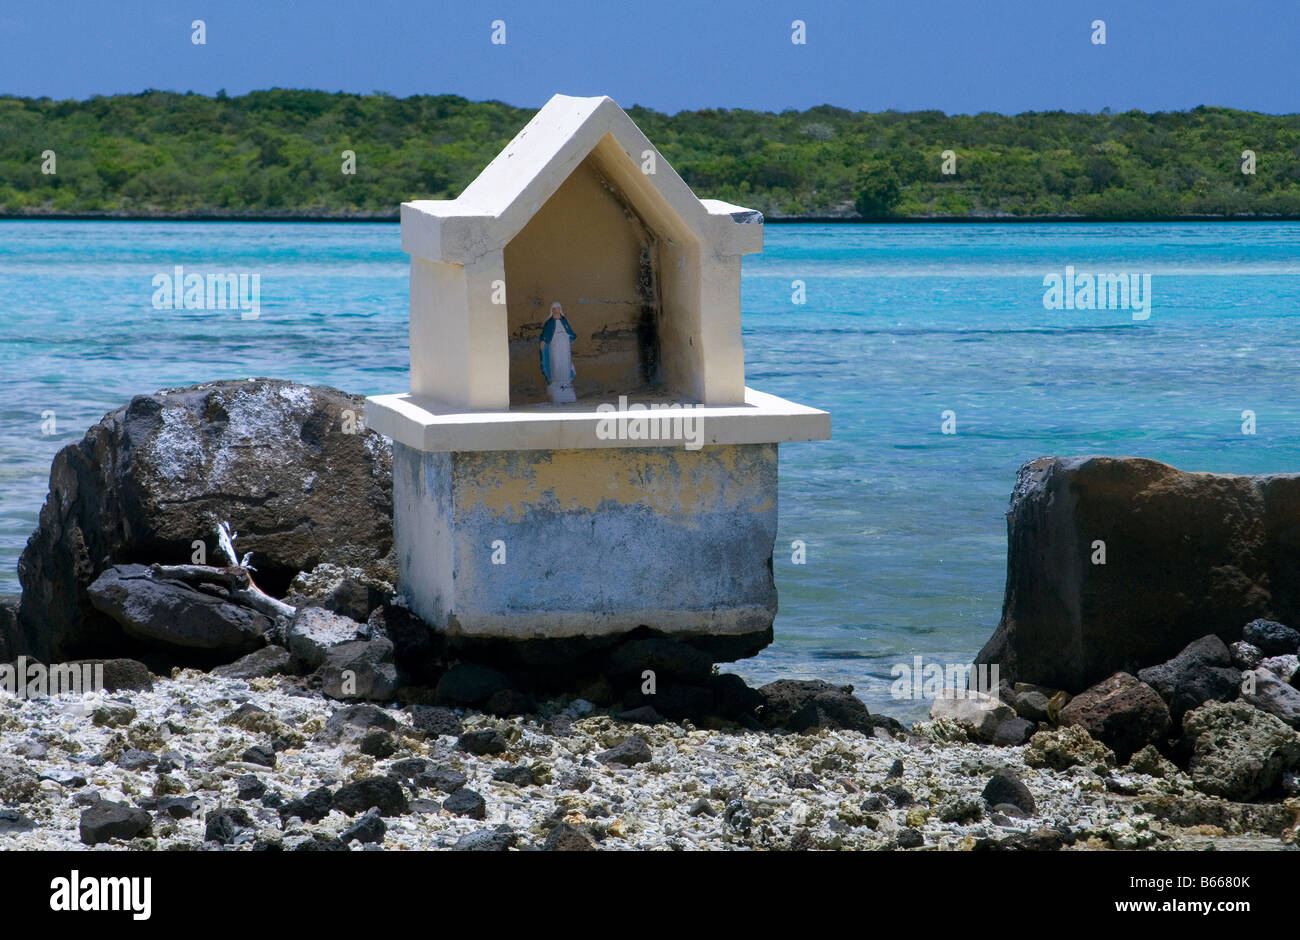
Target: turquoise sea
<point x="904" y="525"/>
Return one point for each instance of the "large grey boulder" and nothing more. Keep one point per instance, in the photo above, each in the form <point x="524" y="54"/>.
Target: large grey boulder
<point x="1238" y="751"/>
<point x="284" y="464"/>
<point x="1270" y="694"/>
<point x="313" y="631"/>
<point x="174" y="614"/>
<point x="362" y="669"/>
<point x="1186" y="554"/>
<point x="979" y="714"/>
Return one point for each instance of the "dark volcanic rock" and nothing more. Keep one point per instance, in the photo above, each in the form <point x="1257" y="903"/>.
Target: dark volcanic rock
<point x="631" y="751"/>
<point x="106" y="820"/>
<point x="900" y="795"/>
<point x="1006" y="787"/>
<point x="486" y="840"/>
<point x="135" y="759"/>
<point x="1202" y="672"/>
<point x="732" y="696"/>
<point x="259" y="754"/>
<point x="518" y="774"/>
<point x="1271" y="638"/>
<point x="561" y="726"/>
<point x="377" y="743"/>
<point x="282" y="463"/>
<point x="409" y="768"/>
<point x="175" y="614"/>
<point x="353" y="722"/>
<point x="268" y="661"/>
<point x="222" y="824"/>
<point x="568" y="838"/>
<point x="122" y="675"/>
<point x="311" y="807"/>
<point x="249" y="787"/>
<point x="1121" y="712"/>
<point x="1044" y="839"/>
<point x="1012" y="732"/>
<point x="382" y="792"/>
<point x="1186" y="554"/>
<point x="465" y="802"/>
<point x="441" y="778"/>
<point x="434" y="721"/>
<point x="1030" y="704"/>
<point x="645" y="715"/>
<point x="362" y="669"/>
<point x="1245" y="655"/>
<point x="316" y="842"/>
<point x="13" y="821"/>
<point x="675" y="700"/>
<point x="805" y="705"/>
<point x="369" y="828"/>
<point x="483" y="741"/>
<point x="910" y="839"/>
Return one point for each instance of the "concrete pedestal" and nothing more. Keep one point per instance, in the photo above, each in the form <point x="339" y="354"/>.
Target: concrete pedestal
<point x="558" y="544"/>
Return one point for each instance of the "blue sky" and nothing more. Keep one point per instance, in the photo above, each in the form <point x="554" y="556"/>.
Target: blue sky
<point x="959" y="56"/>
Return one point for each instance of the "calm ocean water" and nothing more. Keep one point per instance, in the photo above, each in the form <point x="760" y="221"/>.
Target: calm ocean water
<point x="904" y="525"/>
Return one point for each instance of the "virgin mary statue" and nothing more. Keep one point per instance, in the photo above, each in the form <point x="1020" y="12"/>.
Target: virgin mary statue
<point x="557" y="357"/>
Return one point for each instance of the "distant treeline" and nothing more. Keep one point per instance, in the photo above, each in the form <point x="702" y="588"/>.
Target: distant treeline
<point x="282" y="153"/>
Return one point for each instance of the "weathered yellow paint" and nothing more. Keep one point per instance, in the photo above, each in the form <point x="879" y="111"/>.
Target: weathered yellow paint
<point x="670" y="481"/>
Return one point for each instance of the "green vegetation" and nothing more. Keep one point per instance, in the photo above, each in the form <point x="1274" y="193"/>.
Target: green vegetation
<point x="280" y="152"/>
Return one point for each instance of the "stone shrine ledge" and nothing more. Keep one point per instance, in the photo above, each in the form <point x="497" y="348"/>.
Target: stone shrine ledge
<point x="427" y="425"/>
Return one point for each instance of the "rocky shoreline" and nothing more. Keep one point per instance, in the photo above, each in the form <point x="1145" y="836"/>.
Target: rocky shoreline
<point x="201" y="762"/>
<point x="1141" y="706"/>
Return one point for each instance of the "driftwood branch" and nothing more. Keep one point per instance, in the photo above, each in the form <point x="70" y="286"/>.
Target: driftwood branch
<point x="226" y="544"/>
<point x="234" y="576"/>
<point x="255" y="598"/>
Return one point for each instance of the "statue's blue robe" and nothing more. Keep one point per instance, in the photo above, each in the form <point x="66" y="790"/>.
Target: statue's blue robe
<point x="548" y="331"/>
